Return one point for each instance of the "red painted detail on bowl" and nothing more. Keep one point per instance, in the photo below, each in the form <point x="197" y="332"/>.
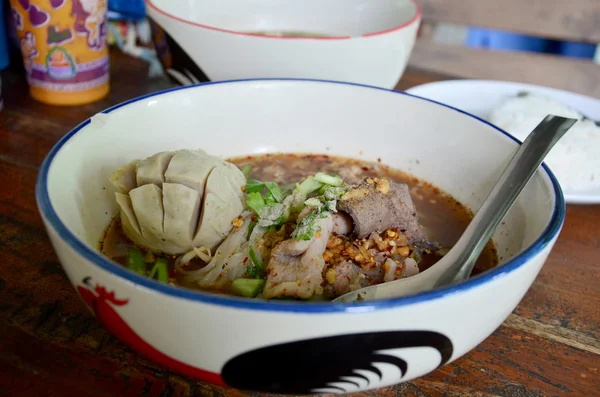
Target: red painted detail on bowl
<point x="415" y="18"/>
<point x="101" y="302"/>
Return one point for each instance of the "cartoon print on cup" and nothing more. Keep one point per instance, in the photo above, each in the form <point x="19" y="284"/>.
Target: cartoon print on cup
<point x="334" y="364"/>
<point x="17" y="18"/>
<point x="57" y="4"/>
<point x="90" y="21"/>
<point x="37" y="16"/>
<point x="59" y="37"/>
<point x="59" y="64"/>
<point x="29" y="51"/>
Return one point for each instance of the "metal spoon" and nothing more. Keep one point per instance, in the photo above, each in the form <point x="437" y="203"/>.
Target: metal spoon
<point x="457" y="264"/>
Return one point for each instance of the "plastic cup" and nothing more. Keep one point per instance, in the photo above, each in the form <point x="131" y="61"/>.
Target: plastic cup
<point x="64" y="48"/>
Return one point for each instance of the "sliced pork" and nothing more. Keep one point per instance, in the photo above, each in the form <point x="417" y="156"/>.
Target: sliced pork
<point x="296" y="267"/>
<point x="343" y="278"/>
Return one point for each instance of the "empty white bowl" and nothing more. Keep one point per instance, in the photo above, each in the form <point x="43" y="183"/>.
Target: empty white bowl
<point x="369" y="41"/>
<point x="286" y="346"/>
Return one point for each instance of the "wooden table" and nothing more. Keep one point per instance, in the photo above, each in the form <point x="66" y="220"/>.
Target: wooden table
<point x="50" y="345"/>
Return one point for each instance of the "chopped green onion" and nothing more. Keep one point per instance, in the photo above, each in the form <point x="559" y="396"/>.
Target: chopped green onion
<point x="250" y="229"/>
<point x="255" y="269"/>
<point x="163" y="271"/>
<point x="255" y="201"/>
<point x="313" y="202"/>
<point x="309" y="185"/>
<point x="160" y="267"/>
<point x="135" y="260"/>
<point x="247" y="287"/>
<point x="246" y="170"/>
<point x="328" y="179"/>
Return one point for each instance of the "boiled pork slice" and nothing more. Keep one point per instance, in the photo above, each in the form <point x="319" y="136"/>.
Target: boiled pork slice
<point x="296" y="267"/>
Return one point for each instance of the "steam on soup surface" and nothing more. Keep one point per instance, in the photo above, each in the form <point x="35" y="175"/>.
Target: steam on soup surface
<point x="279" y="226"/>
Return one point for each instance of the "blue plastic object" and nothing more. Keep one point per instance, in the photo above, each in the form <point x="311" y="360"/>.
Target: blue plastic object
<point x="4" y="53"/>
<point x="132" y="10"/>
<point x="500" y="40"/>
<point x="576" y="50"/>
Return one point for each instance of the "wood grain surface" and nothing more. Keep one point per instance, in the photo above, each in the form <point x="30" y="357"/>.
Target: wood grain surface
<point x="577" y="75"/>
<point x="50" y="345"/>
<point x="575" y="20"/>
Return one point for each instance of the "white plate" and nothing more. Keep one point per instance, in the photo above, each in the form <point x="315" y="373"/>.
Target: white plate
<point x="480" y="97"/>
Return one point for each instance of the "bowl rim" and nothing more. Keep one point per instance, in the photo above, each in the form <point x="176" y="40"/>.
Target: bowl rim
<point x="414" y="19"/>
<point x="232" y="302"/>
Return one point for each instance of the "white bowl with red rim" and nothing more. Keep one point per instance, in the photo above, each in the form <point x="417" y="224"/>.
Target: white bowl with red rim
<point x="288" y="346"/>
<point x="367" y="41"/>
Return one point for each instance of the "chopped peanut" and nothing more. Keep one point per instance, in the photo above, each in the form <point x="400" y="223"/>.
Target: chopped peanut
<point x="383" y="186"/>
<point x="237" y="222"/>
<point x="404" y="251"/>
<point x="330" y="276"/>
<point x="244" y="188"/>
<point x="354" y="193"/>
<point x="370" y="181"/>
<point x="368" y="253"/>
<point x="386" y="266"/>
<point x="317" y="234"/>
<point x="333" y="242"/>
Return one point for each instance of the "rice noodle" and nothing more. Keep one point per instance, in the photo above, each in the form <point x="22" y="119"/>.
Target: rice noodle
<point x="200" y="252"/>
<point x="229" y="260"/>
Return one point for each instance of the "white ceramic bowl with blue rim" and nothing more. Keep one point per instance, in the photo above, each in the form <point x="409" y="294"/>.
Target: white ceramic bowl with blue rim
<point x="368" y="41"/>
<point x="285" y="346"/>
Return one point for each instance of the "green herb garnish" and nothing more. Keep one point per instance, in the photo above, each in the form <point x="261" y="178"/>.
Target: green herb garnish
<point x="252" y="185"/>
<point x="161" y="269"/>
<point x="306" y="228"/>
<point x="135" y="260"/>
<point x="255" y="201"/>
<point x="328" y="179"/>
<point x="255" y="269"/>
<point x="308" y="186"/>
<point x="247" y="287"/>
<point x="274" y="192"/>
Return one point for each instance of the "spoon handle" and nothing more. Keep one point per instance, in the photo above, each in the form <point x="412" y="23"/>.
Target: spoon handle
<point x="519" y="171"/>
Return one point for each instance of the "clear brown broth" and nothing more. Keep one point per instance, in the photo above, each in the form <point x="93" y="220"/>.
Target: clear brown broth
<point x="444" y="218"/>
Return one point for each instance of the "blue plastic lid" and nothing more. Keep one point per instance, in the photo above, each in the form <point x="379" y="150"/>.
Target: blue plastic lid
<point x="132" y="10"/>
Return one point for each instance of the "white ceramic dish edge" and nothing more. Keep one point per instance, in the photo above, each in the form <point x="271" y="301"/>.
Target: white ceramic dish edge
<point x="377" y="59"/>
<point x="479" y="97"/>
